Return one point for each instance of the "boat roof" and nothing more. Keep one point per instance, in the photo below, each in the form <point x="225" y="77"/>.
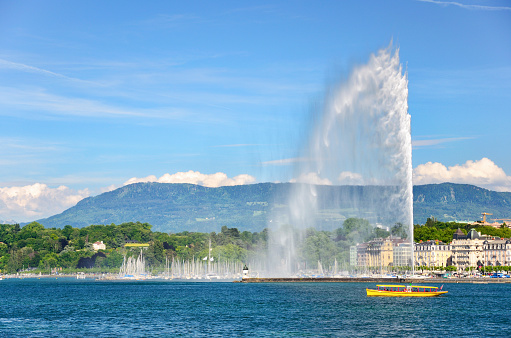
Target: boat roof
<point x="403" y="286"/>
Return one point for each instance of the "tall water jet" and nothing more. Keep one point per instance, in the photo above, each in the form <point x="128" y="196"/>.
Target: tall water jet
<point x="361" y="139"/>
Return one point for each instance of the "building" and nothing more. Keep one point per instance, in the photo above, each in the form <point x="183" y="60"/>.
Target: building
<point x="401" y="251"/>
<point x="497" y="252"/>
<point x="467" y="250"/>
<point x="362" y="256"/>
<point x="432" y="253"/>
<point x="353" y="255"/>
<point x="135" y="244"/>
<point x="98" y="246"/>
<point x="402" y="254"/>
<point x="380" y="252"/>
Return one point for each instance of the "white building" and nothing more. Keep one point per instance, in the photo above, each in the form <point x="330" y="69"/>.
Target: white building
<point x="467" y="250"/>
<point x="497" y="252"/>
<point x="402" y="254"/>
<point x="98" y="246"/>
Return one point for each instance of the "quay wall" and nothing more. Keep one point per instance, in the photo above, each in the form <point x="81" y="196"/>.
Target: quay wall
<point x="377" y="280"/>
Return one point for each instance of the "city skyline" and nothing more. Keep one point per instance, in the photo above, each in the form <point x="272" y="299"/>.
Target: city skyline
<point x="95" y="96"/>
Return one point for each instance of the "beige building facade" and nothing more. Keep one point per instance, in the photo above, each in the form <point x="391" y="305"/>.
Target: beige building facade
<point x="380" y="252"/>
<point x="497" y="252"/>
<point x="467" y="251"/>
<point x="432" y="253"/>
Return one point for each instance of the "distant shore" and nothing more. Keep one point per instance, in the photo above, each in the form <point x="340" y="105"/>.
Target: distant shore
<point x="66" y="275"/>
<point x="377" y="280"/>
<point x="401" y="280"/>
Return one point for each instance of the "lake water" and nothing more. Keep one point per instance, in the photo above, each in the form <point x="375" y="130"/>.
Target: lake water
<point x="70" y="307"/>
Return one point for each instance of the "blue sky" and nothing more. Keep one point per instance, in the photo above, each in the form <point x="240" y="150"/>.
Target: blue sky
<point x="95" y="93"/>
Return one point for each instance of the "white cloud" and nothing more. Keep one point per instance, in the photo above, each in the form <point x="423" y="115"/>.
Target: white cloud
<point x="468" y="6"/>
<point x="109" y="188"/>
<point x="27" y="68"/>
<point x="286" y="161"/>
<point x="311" y="178"/>
<point x="41" y="101"/>
<point x="195" y="177"/>
<point x="150" y="178"/>
<point x="436" y="142"/>
<point x="36" y="201"/>
<point x="350" y="178"/>
<point x="484" y="173"/>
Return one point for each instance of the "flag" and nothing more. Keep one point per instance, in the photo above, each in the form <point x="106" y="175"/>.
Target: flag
<point x="205" y="258"/>
<point x="212" y="259"/>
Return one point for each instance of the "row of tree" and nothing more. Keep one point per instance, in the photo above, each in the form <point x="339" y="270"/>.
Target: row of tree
<point x="36" y="247"/>
<point x="444" y="231"/>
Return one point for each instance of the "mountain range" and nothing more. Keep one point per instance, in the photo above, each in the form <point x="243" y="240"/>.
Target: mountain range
<point x="187" y="207"/>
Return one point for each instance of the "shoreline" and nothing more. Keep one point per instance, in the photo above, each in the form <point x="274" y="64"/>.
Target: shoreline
<point x="109" y="277"/>
<point x="378" y="280"/>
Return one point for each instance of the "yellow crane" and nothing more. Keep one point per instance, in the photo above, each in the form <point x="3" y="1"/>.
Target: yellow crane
<point x="484" y="216"/>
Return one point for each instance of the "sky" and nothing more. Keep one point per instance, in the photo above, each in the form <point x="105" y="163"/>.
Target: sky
<point x="98" y="94"/>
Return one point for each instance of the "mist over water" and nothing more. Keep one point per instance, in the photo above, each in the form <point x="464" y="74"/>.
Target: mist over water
<point x="360" y="137"/>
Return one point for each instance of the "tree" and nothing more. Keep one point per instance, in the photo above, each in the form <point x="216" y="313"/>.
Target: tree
<point x="67" y="231"/>
<point x="3" y="249"/>
<point x="380" y="233"/>
<point x="49" y="261"/>
<point x="31" y="230"/>
<point x="318" y="246"/>
<point x="155" y="253"/>
<point x="399" y="230"/>
<point x="113" y="260"/>
<point x="357" y="229"/>
<point x="431" y="222"/>
<point x="228" y="252"/>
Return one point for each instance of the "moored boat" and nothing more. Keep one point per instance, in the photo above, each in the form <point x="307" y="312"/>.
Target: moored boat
<point x="405" y="291"/>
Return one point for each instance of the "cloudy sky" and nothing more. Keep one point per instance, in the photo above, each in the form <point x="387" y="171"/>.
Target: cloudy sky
<point x="95" y="94"/>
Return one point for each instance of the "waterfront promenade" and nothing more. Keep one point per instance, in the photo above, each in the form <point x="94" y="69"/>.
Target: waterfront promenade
<point x="97" y="276"/>
<point x="377" y="280"/>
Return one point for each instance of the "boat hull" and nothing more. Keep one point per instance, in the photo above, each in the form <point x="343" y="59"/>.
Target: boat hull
<point x="378" y="293"/>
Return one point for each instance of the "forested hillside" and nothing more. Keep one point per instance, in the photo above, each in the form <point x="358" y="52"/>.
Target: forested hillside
<point x="187" y="207"/>
<point x="458" y="202"/>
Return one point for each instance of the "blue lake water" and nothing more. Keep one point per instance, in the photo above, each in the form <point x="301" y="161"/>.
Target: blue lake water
<point x="70" y="307"/>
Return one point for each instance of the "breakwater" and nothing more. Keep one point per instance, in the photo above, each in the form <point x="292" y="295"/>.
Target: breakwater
<point x="376" y="280"/>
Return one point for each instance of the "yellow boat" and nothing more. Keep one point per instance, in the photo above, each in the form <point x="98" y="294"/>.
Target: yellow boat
<point x="405" y="291"/>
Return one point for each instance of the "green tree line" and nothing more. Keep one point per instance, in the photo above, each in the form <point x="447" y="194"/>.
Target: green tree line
<point x="36" y="247"/>
<point x="443" y="231"/>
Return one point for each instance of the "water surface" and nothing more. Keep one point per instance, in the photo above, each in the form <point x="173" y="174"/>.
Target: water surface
<point x="70" y="307"/>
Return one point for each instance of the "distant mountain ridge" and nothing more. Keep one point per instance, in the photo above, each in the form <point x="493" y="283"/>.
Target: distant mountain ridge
<point x="458" y="202"/>
<point x="179" y="207"/>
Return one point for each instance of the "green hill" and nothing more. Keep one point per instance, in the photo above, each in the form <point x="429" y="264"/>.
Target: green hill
<point x="180" y="207"/>
<point x="458" y="202"/>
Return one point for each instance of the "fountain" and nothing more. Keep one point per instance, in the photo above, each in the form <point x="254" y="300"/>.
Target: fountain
<point x="361" y="140"/>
